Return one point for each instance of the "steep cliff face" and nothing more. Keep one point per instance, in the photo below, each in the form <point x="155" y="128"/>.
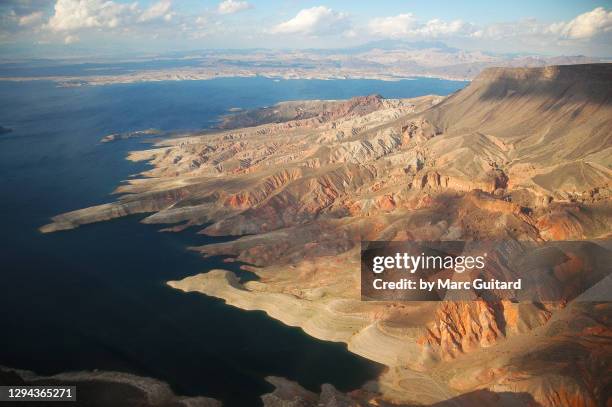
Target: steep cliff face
<point x="520" y="154"/>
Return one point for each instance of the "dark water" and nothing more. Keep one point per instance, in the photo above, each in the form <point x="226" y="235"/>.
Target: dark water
<point x="94" y="298"/>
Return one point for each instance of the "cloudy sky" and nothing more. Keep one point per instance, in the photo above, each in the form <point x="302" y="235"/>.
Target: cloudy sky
<point x="120" y="27"/>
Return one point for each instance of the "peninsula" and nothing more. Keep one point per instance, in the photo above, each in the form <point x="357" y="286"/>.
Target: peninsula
<point x="519" y="154"/>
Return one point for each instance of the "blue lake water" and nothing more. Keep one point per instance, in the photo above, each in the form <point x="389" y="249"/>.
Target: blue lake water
<point x="95" y="298"/>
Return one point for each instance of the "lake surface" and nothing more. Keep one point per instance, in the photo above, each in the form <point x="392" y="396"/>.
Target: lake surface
<point x="95" y="297"/>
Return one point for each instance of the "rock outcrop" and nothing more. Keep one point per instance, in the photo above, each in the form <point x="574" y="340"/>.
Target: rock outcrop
<point x="101" y="388"/>
<point x="520" y="154"/>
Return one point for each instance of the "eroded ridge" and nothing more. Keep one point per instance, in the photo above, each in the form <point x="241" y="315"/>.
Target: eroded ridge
<point x="520" y="154"/>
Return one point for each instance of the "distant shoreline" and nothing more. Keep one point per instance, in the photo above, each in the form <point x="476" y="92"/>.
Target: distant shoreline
<point x="188" y="75"/>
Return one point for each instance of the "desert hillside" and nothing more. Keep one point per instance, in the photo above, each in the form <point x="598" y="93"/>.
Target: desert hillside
<point x="519" y="154"/>
<point x="555" y="121"/>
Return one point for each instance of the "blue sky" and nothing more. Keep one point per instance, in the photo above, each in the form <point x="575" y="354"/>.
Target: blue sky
<point x="107" y="27"/>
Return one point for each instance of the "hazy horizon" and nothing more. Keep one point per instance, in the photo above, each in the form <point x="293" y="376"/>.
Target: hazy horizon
<point x="118" y="28"/>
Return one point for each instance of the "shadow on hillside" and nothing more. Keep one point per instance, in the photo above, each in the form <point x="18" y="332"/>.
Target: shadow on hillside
<point x="486" y="398"/>
<point x="589" y="82"/>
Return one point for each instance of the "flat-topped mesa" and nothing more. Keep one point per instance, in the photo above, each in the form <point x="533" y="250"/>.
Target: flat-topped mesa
<point x="558" y="73"/>
<point x="511" y="96"/>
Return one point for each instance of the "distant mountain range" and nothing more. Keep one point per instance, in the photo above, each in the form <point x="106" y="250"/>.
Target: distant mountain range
<point x="386" y="60"/>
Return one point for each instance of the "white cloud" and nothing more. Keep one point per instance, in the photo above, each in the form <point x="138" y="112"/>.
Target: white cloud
<point x="71" y="39"/>
<point x="407" y="25"/>
<point x="439" y="28"/>
<point x="232" y="6"/>
<point x="523" y="28"/>
<point x="585" y="26"/>
<point x="159" y="10"/>
<point x="588" y="33"/>
<point x="31" y="19"/>
<point x="315" y="21"/>
<point x="350" y="33"/>
<point x="393" y="27"/>
<point x="76" y="14"/>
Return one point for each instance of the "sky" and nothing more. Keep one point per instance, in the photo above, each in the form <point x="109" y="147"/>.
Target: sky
<point x="47" y="28"/>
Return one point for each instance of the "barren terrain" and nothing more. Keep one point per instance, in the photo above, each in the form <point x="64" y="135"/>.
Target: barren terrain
<point x="389" y="62"/>
<point x="519" y="154"/>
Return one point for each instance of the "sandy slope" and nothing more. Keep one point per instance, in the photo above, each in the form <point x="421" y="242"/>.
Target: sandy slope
<point x="520" y="154"/>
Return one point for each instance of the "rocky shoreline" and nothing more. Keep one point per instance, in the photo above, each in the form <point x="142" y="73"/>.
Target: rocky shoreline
<point x="520" y="154"/>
